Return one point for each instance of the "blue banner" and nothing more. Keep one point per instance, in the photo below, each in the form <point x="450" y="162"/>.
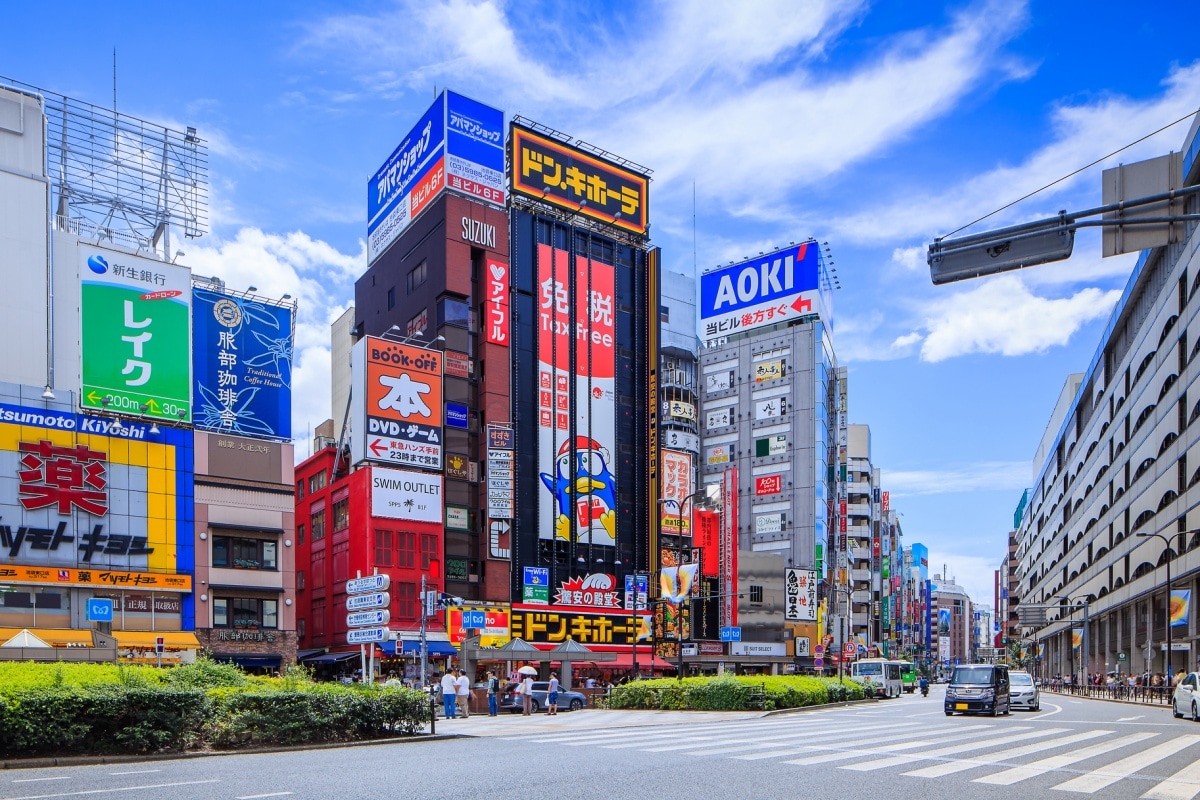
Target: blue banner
<point x="242" y="360"/>
<point x="418" y="150"/>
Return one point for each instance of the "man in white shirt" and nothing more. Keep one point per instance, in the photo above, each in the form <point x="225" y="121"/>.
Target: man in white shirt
<point x="449" y="692"/>
<point x="463" y="691"/>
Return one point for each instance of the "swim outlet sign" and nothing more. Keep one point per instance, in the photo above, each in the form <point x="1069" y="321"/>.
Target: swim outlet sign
<point x="402" y="494"/>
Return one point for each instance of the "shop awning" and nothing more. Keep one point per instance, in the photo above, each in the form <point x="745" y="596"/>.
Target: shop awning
<point x="55" y="637"/>
<point x="270" y="660"/>
<point x="331" y="658"/>
<point x="411" y="647"/>
<point x="644" y="661"/>
<point x="146" y="640"/>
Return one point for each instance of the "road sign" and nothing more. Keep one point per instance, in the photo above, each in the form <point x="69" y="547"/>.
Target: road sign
<point x="818" y="662"/>
<point x="1122" y="656"/>
<point x="848" y="649"/>
<point x="819" y="650"/>
<point x="359" y="602"/>
<point x="731" y="634"/>
<point x="99" y="609"/>
<point x="366" y="635"/>
<point x="360" y="619"/>
<point x="474" y="620"/>
<point x="371" y="583"/>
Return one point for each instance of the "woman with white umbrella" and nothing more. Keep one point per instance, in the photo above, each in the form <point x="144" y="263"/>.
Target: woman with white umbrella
<point x="526" y="689"/>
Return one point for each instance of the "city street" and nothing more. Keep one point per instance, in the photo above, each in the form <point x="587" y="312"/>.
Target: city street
<point x="1109" y="750"/>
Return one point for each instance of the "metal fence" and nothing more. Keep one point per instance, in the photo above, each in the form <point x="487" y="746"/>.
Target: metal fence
<point x="1147" y="695"/>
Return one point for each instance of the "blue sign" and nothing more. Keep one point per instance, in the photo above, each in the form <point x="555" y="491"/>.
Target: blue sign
<point x="408" y="162"/>
<point x="474" y="620"/>
<point x="731" y="634"/>
<point x="774" y="288"/>
<point x="456" y="415"/>
<point x="537" y="576"/>
<point x="99" y="610"/>
<point x="242" y="363"/>
<point x="474" y="141"/>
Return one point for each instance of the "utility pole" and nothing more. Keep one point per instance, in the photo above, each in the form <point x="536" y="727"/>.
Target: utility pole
<point x="424" y="645"/>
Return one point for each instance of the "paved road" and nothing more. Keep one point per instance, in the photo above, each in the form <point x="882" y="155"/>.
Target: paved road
<point x="907" y="745"/>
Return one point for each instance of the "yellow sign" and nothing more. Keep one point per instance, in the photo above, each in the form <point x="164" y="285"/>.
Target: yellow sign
<point x="95" y="578"/>
<point x="768" y="370"/>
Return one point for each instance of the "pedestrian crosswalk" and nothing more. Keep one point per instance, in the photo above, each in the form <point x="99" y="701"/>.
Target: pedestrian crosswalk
<point x="1160" y="763"/>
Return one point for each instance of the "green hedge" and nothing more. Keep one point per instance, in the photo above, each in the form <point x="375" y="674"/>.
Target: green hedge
<point x="733" y="693"/>
<point x="46" y="710"/>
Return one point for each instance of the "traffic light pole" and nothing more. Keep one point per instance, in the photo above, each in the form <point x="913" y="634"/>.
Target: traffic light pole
<point x="424" y="645"/>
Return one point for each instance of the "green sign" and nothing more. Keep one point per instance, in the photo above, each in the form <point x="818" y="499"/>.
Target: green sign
<point x="456" y="569"/>
<point x="136" y="342"/>
<point x="539" y="595"/>
<point x="1121" y="656"/>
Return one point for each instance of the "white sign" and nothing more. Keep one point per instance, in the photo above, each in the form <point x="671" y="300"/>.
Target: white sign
<point x="401" y="494"/>
<point x="800" y="595"/>
<point x="768" y="523"/>
<point x="367" y="635"/>
<point x="771" y="408"/>
<point x="371" y="583"/>
<point x="802" y="646"/>
<point x="458" y="518"/>
<point x="776" y="445"/>
<point x="373" y="600"/>
<point x="359" y="619"/>
<point x="718" y="381"/>
<point x="681" y="441"/>
<point x="757" y="649"/>
<point x="718" y="454"/>
<point x="719" y="418"/>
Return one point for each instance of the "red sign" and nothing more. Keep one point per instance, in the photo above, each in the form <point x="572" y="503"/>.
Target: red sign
<point x="595" y="591"/>
<point x="423" y="193"/>
<point x="495" y="305"/>
<point x="886" y="502"/>
<point x="768" y="484"/>
<point x="729" y="528"/>
<point x="875" y="547"/>
<point x="456" y="364"/>
<point x="848" y="649"/>
<point x="707" y="541"/>
<point x="65" y="477"/>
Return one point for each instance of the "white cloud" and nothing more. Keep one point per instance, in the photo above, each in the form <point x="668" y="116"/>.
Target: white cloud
<point x="317" y="275"/>
<point x="987" y="475"/>
<point x="1000" y="315"/>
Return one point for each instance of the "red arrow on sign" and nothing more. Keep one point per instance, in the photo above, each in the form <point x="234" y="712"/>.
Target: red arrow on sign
<point x="376" y="446"/>
<point x="802" y="305"/>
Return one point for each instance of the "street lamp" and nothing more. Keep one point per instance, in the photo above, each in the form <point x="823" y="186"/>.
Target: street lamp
<point x="1170" y="554"/>
<point x="1086" y="619"/>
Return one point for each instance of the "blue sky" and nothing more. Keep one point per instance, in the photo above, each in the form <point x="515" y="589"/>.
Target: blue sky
<point x="872" y="126"/>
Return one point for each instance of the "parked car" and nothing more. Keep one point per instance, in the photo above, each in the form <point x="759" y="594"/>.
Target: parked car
<point x="1022" y="692"/>
<point x="978" y="688"/>
<point x="1186" y="700"/>
<point x="567" y="701"/>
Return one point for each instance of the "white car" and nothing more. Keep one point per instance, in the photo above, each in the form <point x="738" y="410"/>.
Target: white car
<point x="1023" y="692"/>
<point x="1186" y="700"/>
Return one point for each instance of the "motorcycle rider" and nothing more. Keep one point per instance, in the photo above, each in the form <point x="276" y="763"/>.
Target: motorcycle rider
<point x="924" y="684"/>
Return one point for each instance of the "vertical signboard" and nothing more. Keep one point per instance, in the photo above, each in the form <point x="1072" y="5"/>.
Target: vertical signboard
<point x="678" y="484"/>
<point x="457" y="144"/>
<point x="729" y="544"/>
<point x="576" y="369"/>
<point x="495" y="304"/>
<point x="397" y="417"/>
<point x="800" y="595"/>
<point x="242" y="360"/>
<point x="136" y="335"/>
<point x="500" y="500"/>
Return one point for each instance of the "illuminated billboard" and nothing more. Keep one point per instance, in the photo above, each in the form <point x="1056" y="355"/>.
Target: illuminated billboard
<point x="242" y="361"/>
<point x="550" y="171"/>
<point x="678" y="484"/>
<point x="135" y="335"/>
<point x="90" y="501"/>
<point x="458" y="144"/>
<point x="775" y="288"/>
<point x="579" y="476"/>
<point x="397" y="412"/>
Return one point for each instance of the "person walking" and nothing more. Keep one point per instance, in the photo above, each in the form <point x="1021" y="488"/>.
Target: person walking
<point x="493" y="694"/>
<point x="449" y="693"/>
<point x="463" y="691"/>
<point x="526" y="690"/>
<point x="552" y="696"/>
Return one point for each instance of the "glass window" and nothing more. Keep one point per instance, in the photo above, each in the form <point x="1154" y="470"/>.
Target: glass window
<point x="269" y="549"/>
<point x="300" y="533"/>
<point x="240" y="553"/>
<point x="270" y="613"/>
<point x="454" y="312"/>
<point x="341" y="514"/>
<point x="220" y="551"/>
<point x="391" y="298"/>
<point x="756" y="594"/>
<point x="416" y="276"/>
<point x="317" y="524"/>
<point x="220" y="612"/>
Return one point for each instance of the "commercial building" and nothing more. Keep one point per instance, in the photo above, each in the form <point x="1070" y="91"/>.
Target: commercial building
<point x="1107" y="548"/>
<point x="953" y="643"/>
<point x="771" y="402"/>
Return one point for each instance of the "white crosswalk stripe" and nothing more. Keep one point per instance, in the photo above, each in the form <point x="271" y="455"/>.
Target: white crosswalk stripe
<point x="843" y="754"/>
<point x="1107" y="775"/>
<point x="950" y="767"/>
<point x="1016" y="774"/>
<point x="898" y="761"/>
<point x="1183" y="785"/>
<point x="822" y="737"/>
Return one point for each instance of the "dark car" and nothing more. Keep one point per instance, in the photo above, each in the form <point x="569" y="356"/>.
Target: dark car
<point x="567" y="701"/>
<point x="978" y="689"/>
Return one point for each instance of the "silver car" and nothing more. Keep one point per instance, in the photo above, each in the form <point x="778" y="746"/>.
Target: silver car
<point x="1185" y="702"/>
<point x="1023" y="692"/>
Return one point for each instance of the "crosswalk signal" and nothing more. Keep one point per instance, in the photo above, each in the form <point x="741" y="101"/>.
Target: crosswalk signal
<point x="159" y="645"/>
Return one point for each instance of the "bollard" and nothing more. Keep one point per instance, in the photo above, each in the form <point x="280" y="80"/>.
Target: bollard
<point x="432" y="717"/>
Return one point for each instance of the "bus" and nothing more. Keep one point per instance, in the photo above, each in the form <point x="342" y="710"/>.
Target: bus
<point x="908" y="676"/>
<point x="885" y="674"/>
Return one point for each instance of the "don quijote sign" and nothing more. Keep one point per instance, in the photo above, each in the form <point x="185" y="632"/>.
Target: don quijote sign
<point x="597" y="590"/>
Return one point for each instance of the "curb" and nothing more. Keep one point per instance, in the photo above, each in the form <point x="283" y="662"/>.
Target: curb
<point x="43" y="762"/>
<point x="802" y="709"/>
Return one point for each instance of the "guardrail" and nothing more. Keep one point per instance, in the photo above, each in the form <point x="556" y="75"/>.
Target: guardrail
<point x="1146" y="695"/>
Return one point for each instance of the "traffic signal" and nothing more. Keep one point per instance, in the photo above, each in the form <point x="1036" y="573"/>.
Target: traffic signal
<point x="159" y="644"/>
<point x="449" y="601"/>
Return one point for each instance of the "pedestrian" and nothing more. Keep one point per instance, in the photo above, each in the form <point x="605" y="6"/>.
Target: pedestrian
<point x="463" y="691"/>
<point x="552" y="696"/>
<point x="526" y="691"/>
<point x="591" y="683"/>
<point x="493" y="692"/>
<point x="449" y="693"/>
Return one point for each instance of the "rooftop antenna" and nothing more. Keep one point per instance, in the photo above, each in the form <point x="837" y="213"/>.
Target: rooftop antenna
<point x="114" y="81"/>
<point x="693" y="227"/>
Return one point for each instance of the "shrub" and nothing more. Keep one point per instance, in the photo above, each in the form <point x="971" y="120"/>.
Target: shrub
<point x="732" y="693"/>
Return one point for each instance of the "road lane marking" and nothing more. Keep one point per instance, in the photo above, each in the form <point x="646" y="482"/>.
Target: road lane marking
<point x="1109" y="774"/>
<point x="950" y="767"/>
<point x="898" y="761"/>
<point x="135" y="772"/>
<point x="1183" y="785"/>
<point x="35" y="780"/>
<point x="256" y="796"/>
<point x="758" y="744"/>
<point x="1016" y="774"/>
<point x="843" y="754"/>
<point x="83" y="792"/>
<point x="837" y="732"/>
<point x="1130" y="719"/>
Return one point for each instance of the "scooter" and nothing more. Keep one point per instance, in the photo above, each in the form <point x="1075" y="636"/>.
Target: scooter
<point x="925" y="690"/>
